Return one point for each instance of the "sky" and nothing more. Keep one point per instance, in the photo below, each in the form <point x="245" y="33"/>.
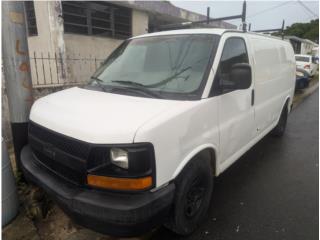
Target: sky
<point x="261" y="14"/>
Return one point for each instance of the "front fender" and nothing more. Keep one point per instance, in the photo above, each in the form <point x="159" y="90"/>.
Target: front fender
<point x="192" y="154"/>
<point x="179" y="134"/>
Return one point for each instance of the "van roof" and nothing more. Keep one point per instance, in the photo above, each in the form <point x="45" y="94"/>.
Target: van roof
<point x="217" y="31"/>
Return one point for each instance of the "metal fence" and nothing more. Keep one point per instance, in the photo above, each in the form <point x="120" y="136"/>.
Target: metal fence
<point x="50" y="69"/>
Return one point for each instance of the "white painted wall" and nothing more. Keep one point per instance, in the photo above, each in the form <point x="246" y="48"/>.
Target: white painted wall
<point x="306" y="48"/>
<point x="140" y="22"/>
<point x="88" y="48"/>
<point x="91" y="49"/>
<point x="315" y="51"/>
<point x="41" y="45"/>
<point x="46" y="44"/>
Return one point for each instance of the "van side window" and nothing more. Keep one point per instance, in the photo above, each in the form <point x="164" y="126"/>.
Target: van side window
<point x="234" y="52"/>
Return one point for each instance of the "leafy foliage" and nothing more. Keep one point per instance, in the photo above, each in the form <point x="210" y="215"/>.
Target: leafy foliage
<point x="303" y="30"/>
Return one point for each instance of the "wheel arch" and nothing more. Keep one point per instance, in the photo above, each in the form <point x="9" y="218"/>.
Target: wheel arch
<point x="207" y="150"/>
<point x="285" y="102"/>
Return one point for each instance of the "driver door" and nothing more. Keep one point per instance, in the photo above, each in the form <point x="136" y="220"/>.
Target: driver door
<point x="236" y="106"/>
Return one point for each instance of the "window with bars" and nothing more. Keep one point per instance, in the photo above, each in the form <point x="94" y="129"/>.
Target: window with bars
<point x="31" y="18"/>
<point x="97" y="18"/>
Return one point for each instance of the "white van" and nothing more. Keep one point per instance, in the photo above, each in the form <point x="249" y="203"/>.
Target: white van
<point x="166" y="112"/>
<point x="306" y="62"/>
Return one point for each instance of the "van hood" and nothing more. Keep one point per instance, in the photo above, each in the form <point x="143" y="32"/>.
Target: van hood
<point x="97" y="117"/>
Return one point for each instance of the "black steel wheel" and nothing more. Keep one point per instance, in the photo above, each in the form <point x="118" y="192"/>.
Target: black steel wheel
<point x="280" y="128"/>
<point x="193" y="194"/>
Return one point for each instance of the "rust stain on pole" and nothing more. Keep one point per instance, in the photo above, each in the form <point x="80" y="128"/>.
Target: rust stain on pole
<point x="24" y="67"/>
<point x="29" y="101"/>
<point x="16" y="17"/>
<point x="18" y="51"/>
<point x="26" y="85"/>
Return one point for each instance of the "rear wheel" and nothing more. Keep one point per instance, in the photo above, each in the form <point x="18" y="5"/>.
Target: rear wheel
<point x="193" y="194"/>
<point x="280" y="128"/>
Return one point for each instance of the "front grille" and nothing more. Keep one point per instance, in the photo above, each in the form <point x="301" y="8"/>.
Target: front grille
<point x="71" y="146"/>
<point x="63" y="155"/>
<point x="72" y="175"/>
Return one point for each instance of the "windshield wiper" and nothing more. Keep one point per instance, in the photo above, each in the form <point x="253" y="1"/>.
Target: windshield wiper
<point x="97" y="79"/>
<point x="100" y="83"/>
<point x="138" y="87"/>
<point x="144" y="91"/>
<point x="129" y="83"/>
<point x="166" y="80"/>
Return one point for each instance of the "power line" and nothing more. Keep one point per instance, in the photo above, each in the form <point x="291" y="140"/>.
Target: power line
<point x="269" y="9"/>
<point x="308" y="9"/>
<point x="307" y="19"/>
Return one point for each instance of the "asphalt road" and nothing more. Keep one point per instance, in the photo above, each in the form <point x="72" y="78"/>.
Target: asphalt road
<point x="272" y="191"/>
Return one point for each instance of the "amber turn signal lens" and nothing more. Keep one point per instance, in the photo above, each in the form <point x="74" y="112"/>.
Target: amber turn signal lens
<point x="119" y="183"/>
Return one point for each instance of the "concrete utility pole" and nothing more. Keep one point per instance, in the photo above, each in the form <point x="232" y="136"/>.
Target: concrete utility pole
<point x="16" y="67"/>
<point x="244" y="15"/>
<point x="208" y="15"/>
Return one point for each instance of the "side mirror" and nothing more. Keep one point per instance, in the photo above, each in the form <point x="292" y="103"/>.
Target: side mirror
<point x="240" y="76"/>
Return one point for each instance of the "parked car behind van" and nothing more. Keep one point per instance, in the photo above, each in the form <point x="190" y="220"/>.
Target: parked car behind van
<point x="307" y="62"/>
<point x="302" y="79"/>
<point x="140" y="145"/>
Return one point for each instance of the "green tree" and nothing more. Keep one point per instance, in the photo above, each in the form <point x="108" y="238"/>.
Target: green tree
<point x="303" y="30"/>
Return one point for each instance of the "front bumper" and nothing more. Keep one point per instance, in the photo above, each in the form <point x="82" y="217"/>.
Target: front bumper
<point x="120" y="214"/>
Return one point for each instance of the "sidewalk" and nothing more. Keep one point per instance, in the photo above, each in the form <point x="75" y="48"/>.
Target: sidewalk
<point x="302" y="94"/>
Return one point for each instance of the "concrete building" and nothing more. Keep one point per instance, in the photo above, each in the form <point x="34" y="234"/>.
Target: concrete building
<point x="301" y="46"/>
<point x="68" y="40"/>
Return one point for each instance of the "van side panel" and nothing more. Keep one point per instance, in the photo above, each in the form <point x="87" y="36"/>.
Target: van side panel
<point x="274" y="76"/>
<point x="273" y="72"/>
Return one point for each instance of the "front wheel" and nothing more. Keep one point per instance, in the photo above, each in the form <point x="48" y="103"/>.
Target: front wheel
<point x="193" y="194"/>
<point x="280" y="128"/>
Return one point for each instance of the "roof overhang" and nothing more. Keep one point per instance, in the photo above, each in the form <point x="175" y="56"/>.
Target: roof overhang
<point x="163" y="12"/>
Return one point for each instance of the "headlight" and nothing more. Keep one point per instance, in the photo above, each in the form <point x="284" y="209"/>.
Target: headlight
<point x="123" y="167"/>
<point x="119" y="157"/>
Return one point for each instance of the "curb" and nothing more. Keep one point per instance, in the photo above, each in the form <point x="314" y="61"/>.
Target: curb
<point x="298" y="98"/>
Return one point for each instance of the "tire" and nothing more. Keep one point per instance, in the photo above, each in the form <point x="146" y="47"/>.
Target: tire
<point x="280" y="128"/>
<point x="193" y="194"/>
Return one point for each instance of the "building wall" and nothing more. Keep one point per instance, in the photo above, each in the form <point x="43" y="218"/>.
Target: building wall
<point x="92" y="51"/>
<point x="306" y="48"/>
<point x="95" y="49"/>
<point x="295" y="45"/>
<point x="315" y="51"/>
<point x="81" y="54"/>
<point x="47" y="44"/>
<point x="40" y="45"/>
<point x="140" y="22"/>
<point x="44" y="41"/>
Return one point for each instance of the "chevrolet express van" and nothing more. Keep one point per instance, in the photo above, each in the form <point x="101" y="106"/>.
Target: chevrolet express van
<point x="164" y="114"/>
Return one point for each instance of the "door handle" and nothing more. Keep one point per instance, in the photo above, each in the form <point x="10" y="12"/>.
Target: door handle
<point x="252" y="97"/>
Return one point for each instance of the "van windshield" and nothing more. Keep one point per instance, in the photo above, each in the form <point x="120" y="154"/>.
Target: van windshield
<point x="302" y="59"/>
<point x="172" y="67"/>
